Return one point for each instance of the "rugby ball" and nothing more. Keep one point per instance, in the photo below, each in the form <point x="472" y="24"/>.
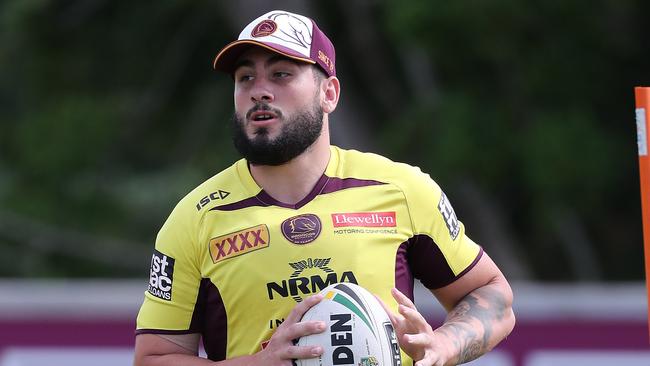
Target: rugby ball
<point x="358" y="331"/>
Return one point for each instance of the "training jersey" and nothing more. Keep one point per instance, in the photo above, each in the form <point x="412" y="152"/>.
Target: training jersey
<point x="231" y="262"/>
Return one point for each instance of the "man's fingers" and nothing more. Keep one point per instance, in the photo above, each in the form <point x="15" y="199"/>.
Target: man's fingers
<point x="299" y="310"/>
<point x="419" y="339"/>
<point x="301" y="329"/>
<point x="411" y="314"/>
<point x="300" y="352"/>
<point x="392" y="316"/>
<point x="401" y="298"/>
<point x="429" y="359"/>
<point x="414" y="318"/>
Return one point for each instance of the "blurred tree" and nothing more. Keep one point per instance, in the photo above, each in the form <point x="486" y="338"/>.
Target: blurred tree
<point x="534" y="105"/>
<point x="523" y="112"/>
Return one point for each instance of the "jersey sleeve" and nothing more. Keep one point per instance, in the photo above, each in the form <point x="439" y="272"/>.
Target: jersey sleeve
<point x="174" y="280"/>
<point x="439" y="252"/>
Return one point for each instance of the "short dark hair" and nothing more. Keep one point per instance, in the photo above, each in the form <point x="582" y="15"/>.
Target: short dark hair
<point x="319" y="73"/>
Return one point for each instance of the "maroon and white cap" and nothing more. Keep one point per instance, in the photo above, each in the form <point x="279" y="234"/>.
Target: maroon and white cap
<point x="288" y="34"/>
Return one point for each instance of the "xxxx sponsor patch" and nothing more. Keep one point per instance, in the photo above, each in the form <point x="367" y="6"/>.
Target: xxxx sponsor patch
<point x="239" y="243"/>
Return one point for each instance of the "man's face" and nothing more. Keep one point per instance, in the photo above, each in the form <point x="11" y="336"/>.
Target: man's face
<point x="278" y="114"/>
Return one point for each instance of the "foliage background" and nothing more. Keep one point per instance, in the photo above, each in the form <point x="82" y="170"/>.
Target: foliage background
<point x="522" y="111"/>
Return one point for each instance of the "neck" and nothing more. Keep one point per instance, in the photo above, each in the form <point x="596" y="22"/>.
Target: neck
<point x="291" y="182"/>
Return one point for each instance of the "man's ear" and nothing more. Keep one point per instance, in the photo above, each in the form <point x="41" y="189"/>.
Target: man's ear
<point x="330" y="92"/>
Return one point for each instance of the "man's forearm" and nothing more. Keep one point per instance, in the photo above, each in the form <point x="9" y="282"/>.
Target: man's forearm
<point x="188" y="360"/>
<point x="478" y="323"/>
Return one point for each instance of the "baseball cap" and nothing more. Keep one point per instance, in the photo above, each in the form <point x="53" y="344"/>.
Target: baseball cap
<point x="291" y="35"/>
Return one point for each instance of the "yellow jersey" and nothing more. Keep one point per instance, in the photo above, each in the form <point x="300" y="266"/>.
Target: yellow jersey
<point x="231" y="262"/>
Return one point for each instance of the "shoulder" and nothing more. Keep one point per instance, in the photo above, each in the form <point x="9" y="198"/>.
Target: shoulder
<point x="222" y="187"/>
<point x="354" y="162"/>
<point x="365" y="165"/>
<point x="183" y="223"/>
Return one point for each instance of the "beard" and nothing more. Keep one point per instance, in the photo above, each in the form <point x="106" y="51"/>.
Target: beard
<point x="296" y="135"/>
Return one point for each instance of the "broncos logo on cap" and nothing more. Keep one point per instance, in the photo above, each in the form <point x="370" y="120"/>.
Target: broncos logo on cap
<point x="264" y="28"/>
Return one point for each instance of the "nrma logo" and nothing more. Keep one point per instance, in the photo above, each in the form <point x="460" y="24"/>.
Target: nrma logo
<point x="299" y="285"/>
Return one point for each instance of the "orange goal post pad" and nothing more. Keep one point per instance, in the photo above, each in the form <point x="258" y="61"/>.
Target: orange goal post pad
<point x="642" y="97"/>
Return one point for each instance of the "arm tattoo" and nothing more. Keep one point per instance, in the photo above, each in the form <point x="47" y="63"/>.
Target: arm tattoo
<point x="469" y="325"/>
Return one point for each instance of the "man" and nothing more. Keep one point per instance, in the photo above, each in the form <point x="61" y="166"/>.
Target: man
<point x="239" y="258"/>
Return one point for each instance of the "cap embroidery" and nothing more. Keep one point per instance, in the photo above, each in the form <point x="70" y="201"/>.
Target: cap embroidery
<point x="291" y="35"/>
<point x="326" y="60"/>
<point x="265" y="28"/>
<point x="294" y="30"/>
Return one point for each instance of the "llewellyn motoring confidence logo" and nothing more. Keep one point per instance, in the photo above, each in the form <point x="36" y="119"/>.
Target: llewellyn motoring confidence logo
<point x="364" y="219"/>
<point x="301" y="229"/>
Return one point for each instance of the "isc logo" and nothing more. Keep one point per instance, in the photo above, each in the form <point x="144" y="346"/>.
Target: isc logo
<point x="161" y="275"/>
<point x="218" y="195"/>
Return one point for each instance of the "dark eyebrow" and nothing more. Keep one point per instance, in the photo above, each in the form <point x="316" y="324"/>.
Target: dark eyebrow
<point x="277" y="58"/>
<point x="270" y="61"/>
<point x="240" y="63"/>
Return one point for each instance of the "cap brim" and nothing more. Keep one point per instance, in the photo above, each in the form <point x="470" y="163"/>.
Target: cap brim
<point x="226" y="58"/>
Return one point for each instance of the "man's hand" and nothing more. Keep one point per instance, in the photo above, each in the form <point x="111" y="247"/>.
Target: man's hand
<point x="414" y="334"/>
<point x="281" y="348"/>
<point x="154" y="350"/>
<point x="479" y="306"/>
